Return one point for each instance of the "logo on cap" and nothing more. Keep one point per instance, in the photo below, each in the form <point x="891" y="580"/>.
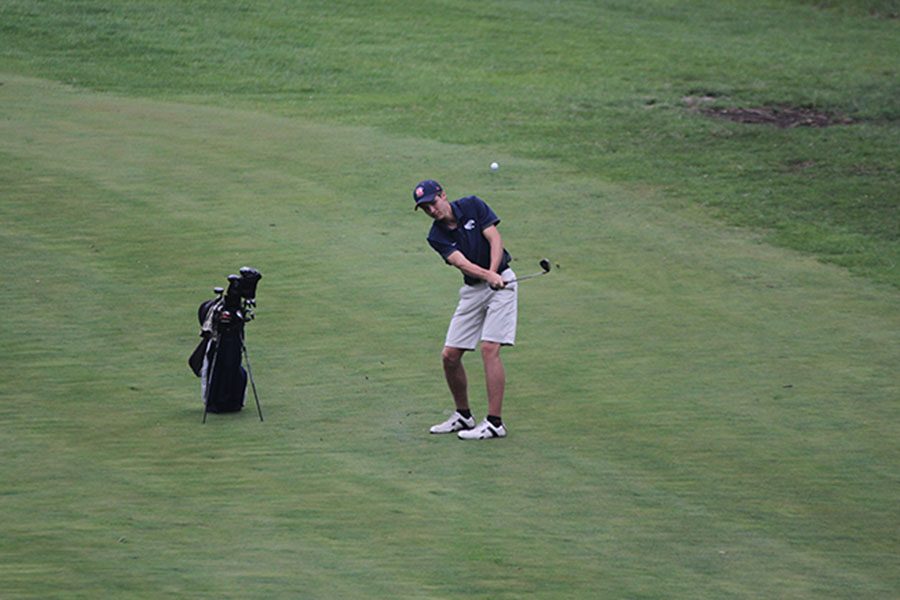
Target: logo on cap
<point x="420" y="191"/>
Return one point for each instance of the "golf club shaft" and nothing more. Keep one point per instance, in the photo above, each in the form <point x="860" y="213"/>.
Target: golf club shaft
<point x="545" y="268"/>
<point x="524" y="277"/>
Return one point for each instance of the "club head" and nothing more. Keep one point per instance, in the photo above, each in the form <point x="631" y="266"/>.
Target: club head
<point x="545" y="265"/>
<point x="250" y="272"/>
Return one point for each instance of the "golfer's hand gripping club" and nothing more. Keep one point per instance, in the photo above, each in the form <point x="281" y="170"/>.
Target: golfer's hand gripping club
<point x="495" y="281"/>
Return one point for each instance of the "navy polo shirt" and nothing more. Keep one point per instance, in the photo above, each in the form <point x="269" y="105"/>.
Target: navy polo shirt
<point x="473" y="216"/>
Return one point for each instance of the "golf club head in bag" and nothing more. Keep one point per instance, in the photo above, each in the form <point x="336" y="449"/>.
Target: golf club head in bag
<point x="241" y="294"/>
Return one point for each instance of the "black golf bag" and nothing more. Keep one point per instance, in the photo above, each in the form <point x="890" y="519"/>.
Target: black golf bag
<point x="217" y="360"/>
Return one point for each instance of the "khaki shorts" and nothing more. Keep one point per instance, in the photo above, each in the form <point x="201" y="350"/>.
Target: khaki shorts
<point x="484" y="314"/>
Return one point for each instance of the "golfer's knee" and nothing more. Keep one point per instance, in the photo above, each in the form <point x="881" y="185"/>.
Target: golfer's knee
<point x="451" y="357"/>
<point x="490" y="350"/>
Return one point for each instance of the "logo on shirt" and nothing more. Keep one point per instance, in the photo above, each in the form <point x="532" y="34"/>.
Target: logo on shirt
<point x="470" y="225"/>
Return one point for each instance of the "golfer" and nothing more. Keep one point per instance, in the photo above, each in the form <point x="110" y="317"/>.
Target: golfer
<point x="464" y="233"/>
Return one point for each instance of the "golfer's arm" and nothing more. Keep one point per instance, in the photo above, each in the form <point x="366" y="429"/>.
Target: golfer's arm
<point x="458" y="260"/>
<point x="492" y="235"/>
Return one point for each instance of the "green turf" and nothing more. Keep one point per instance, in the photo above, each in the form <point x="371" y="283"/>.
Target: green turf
<point x="693" y="412"/>
<point x="599" y="86"/>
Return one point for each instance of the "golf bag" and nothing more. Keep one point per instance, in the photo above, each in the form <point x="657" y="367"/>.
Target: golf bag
<point x="217" y="360"/>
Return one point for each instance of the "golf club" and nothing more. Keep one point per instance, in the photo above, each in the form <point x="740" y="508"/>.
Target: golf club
<point x="545" y="265"/>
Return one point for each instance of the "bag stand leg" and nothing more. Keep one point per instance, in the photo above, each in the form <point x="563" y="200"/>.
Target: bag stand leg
<point x="209" y="376"/>
<point x="250" y="373"/>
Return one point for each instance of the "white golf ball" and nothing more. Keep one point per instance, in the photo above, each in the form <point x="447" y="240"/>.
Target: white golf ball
<point x="495" y="166"/>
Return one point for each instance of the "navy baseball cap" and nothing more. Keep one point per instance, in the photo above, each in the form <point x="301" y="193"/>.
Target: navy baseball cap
<point x="425" y="191"/>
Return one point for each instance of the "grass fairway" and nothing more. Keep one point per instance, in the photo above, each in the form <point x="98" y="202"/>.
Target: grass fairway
<point x="693" y="412"/>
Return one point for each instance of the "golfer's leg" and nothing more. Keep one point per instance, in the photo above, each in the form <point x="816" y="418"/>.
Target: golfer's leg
<point x="462" y="335"/>
<point x="499" y="330"/>
<point x="494" y="375"/>
<point x="456" y="376"/>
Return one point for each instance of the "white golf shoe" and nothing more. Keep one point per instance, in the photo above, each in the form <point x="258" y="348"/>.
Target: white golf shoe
<point x="484" y="431"/>
<point x="456" y="422"/>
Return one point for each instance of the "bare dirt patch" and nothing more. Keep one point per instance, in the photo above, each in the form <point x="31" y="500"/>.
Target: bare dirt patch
<point x="784" y="117"/>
